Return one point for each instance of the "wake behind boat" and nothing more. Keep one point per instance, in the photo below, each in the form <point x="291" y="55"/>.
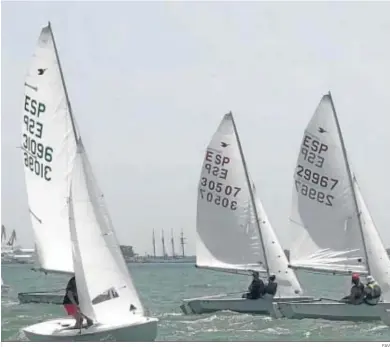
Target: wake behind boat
<point x="333" y="229"/>
<point x="229" y="210"/>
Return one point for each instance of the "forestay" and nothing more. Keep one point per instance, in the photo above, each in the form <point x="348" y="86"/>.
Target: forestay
<point x="378" y="259"/>
<point x="105" y="286"/>
<point x="325" y="221"/>
<point x="288" y="284"/>
<point x="49" y="147"/>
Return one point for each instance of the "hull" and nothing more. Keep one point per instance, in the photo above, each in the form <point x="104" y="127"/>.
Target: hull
<point x="135" y="329"/>
<point x="385" y="316"/>
<point x="330" y="310"/>
<point x="41" y="298"/>
<point x="263" y="306"/>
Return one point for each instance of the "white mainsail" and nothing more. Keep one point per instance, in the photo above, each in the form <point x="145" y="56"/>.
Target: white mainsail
<point x="229" y="235"/>
<point x="325" y="218"/>
<point x="49" y="148"/>
<point x="224" y="240"/>
<point x="105" y="287"/>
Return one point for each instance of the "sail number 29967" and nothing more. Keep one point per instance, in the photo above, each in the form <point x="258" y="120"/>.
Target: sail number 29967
<point x="313" y="194"/>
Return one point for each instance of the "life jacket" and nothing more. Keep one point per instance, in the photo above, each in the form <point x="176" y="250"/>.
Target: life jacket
<point x="373" y="292"/>
<point x="271" y="288"/>
<point x="256" y="288"/>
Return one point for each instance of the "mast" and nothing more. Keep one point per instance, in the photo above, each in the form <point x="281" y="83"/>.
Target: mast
<point x="12" y="239"/>
<point x="350" y="180"/>
<point x="251" y="193"/>
<point x="182" y="242"/>
<point x="173" y="244"/>
<point x="163" y="244"/>
<point x="3" y="233"/>
<point x="64" y="85"/>
<point x="154" y="245"/>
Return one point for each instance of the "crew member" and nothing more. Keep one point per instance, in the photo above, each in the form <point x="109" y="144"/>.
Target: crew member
<point x="272" y="286"/>
<point x="372" y="291"/>
<point x="71" y="304"/>
<point x="256" y="288"/>
<point x="356" y="295"/>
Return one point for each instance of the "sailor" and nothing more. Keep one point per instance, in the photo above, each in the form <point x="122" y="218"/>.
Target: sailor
<point x="372" y="291"/>
<point x="256" y="288"/>
<point x="272" y="286"/>
<point x="356" y="295"/>
<point x="71" y="304"/>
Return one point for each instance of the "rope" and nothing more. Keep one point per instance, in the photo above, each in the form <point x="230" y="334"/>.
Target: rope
<point x="328" y="299"/>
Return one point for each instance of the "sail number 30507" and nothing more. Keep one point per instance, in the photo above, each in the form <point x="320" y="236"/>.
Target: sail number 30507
<point x="208" y="190"/>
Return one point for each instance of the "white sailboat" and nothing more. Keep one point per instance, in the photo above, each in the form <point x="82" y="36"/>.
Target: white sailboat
<point x="105" y="288"/>
<point x="334" y="231"/>
<point x="233" y="231"/>
<point x="49" y="147"/>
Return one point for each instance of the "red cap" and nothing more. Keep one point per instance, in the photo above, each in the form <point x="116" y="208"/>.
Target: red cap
<point x="355" y="276"/>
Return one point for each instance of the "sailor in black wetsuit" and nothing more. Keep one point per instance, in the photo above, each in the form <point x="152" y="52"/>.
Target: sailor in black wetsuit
<point x="256" y="288"/>
<point x="272" y="286"/>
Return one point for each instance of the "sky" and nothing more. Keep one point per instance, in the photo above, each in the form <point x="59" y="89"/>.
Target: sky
<point x="149" y="83"/>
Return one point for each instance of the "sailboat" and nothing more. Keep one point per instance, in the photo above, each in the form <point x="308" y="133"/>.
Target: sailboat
<point x="234" y="234"/>
<point x="104" y="285"/>
<point x="49" y="147"/>
<point x="333" y="229"/>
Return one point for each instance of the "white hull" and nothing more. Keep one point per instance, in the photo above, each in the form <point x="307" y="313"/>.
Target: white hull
<point x="263" y="306"/>
<point x="385" y="316"/>
<point x="137" y="329"/>
<point x="330" y="310"/>
<point x="41" y="298"/>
